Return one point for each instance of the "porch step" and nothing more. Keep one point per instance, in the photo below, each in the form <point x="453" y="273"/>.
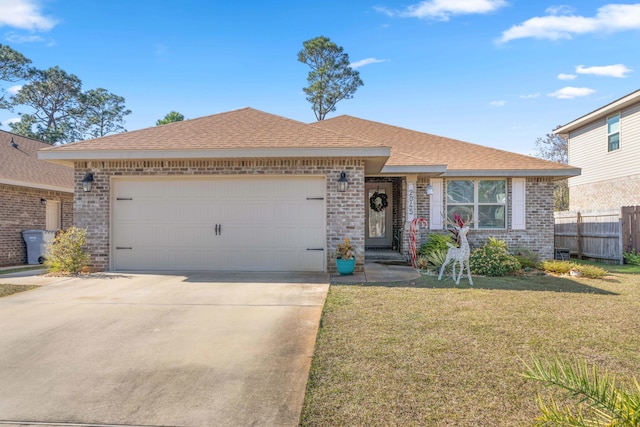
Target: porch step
<point x="384" y="256"/>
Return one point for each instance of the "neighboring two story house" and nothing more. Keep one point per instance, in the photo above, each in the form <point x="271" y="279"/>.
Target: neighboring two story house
<point x="605" y="145"/>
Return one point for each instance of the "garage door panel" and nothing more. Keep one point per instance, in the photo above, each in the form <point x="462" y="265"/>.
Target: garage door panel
<point x="267" y="224"/>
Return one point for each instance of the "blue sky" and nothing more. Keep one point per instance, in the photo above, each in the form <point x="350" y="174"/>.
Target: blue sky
<point x="499" y="73"/>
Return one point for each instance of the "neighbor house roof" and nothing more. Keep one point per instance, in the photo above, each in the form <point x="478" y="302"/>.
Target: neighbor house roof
<point x="601" y="113"/>
<point x="249" y="133"/>
<point x="411" y="149"/>
<point x="19" y="165"/>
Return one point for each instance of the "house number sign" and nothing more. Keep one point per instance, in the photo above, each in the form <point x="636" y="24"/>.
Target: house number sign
<point x="411" y="202"/>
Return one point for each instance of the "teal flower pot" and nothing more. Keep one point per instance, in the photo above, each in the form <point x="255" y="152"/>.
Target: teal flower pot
<point x="346" y="266"/>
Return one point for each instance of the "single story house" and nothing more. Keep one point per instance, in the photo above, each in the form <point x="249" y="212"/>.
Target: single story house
<point x="34" y="195"/>
<point x="248" y="190"/>
<point x="605" y="144"/>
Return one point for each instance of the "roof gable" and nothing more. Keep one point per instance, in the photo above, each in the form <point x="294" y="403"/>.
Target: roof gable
<point x="613" y="107"/>
<point x="20" y="165"/>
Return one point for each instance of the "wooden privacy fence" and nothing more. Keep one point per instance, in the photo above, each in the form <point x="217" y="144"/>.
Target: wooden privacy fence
<point x="595" y="234"/>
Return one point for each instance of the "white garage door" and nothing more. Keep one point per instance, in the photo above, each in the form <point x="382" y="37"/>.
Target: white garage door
<point x="254" y="224"/>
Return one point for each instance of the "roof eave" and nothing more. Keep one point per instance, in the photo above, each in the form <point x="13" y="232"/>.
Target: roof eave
<point x="600" y="113"/>
<point x="37" y="185"/>
<point x="415" y="169"/>
<point x="557" y="173"/>
<point x="375" y="157"/>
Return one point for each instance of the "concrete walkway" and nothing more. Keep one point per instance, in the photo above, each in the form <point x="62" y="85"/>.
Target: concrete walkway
<point x="204" y="349"/>
<point x="378" y="273"/>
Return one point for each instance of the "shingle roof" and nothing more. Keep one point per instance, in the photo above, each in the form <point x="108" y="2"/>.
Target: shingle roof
<point x="249" y="132"/>
<point x="411" y="148"/>
<point x="21" y="166"/>
<point x="237" y="129"/>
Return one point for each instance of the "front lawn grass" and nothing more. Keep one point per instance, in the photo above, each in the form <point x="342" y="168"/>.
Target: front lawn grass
<point x="428" y="353"/>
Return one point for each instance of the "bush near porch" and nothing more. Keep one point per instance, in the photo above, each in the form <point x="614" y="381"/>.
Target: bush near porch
<point x="430" y="353"/>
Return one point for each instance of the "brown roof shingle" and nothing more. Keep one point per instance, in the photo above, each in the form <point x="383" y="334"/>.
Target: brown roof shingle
<point x="412" y="148"/>
<point x="21" y="166"/>
<point x="237" y="129"/>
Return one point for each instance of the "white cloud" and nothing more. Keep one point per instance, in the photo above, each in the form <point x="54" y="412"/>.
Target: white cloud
<point x="563" y="76"/>
<point x="571" y="92"/>
<point x="617" y="70"/>
<point x="14" y="89"/>
<point x="11" y="120"/>
<point x="530" y="96"/>
<point x="608" y="19"/>
<point x="561" y="9"/>
<point x="25" y="15"/>
<point x="22" y="38"/>
<point x="442" y="10"/>
<point x="499" y="103"/>
<point x="364" y="62"/>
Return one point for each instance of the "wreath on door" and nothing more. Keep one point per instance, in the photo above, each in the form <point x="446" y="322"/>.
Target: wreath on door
<point x="378" y="202"/>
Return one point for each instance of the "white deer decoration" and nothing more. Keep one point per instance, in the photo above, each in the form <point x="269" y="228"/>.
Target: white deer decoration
<point x="459" y="255"/>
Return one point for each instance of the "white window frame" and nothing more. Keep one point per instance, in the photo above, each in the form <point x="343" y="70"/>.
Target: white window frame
<point x="477" y="204"/>
<point x="610" y="134"/>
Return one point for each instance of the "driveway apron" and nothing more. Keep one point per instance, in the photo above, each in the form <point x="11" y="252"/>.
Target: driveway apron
<point x="160" y="350"/>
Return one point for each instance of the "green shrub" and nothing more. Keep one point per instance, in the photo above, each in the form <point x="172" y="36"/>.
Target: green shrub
<point x="565" y="267"/>
<point x="555" y="266"/>
<point x="492" y="259"/>
<point x="436" y="242"/>
<point x="436" y="258"/>
<point x="590" y="271"/>
<point x="632" y="257"/>
<point x="495" y="243"/>
<point x="65" y="253"/>
<point x="526" y="258"/>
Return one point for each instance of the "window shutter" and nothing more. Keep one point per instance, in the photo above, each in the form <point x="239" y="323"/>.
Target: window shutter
<point x="435" y="205"/>
<point x="518" y="204"/>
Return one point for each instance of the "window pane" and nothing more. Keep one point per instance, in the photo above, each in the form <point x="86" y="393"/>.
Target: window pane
<point x="614" y="141"/>
<point x="492" y="191"/>
<point x="491" y="216"/>
<point x="613" y="124"/>
<point x="460" y="191"/>
<point x="465" y="212"/>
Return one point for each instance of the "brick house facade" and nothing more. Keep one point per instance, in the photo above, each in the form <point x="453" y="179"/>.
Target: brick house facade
<point x="29" y="190"/>
<point x="249" y="144"/>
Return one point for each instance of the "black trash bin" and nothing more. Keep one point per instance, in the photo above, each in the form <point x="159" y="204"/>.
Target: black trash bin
<point x="36" y="241"/>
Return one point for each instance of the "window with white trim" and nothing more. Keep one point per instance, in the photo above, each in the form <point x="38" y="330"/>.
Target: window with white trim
<point x="483" y="200"/>
<point x="613" y="132"/>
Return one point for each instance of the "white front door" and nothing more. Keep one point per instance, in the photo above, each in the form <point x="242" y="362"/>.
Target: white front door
<point x="270" y="223"/>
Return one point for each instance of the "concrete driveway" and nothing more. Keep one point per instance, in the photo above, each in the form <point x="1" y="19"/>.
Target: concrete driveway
<point x="229" y="349"/>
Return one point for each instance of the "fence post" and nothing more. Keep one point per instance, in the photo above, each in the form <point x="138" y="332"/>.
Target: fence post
<point x="621" y="234"/>
<point x="579" y="234"/>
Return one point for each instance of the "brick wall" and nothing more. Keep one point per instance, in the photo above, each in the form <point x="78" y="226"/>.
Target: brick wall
<point x="538" y="236"/>
<point x="21" y="209"/>
<point x="609" y="194"/>
<point x="345" y="211"/>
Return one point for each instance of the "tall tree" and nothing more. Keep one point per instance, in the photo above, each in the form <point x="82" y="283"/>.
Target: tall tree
<point x="100" y="113"/>
<point x="556" y="148"/>
<point x="53" y="95"/>
<point x="173" y="116"/>
<point x="331" y="79"/>
<point x="13" y="68"/>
